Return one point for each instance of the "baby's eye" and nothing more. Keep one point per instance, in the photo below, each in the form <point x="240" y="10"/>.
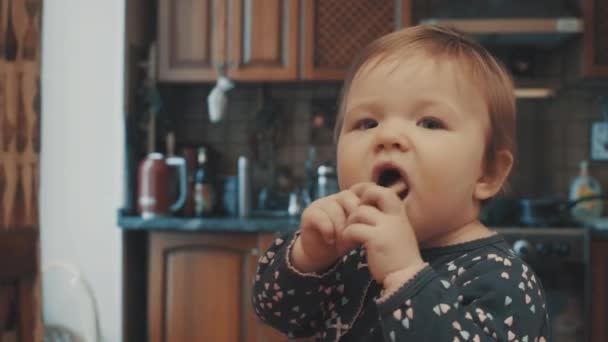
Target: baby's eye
<point x="366" y="124"/>
<point x="431" y="123"/>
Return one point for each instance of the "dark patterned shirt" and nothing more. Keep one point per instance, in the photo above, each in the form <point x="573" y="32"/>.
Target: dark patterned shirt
<point x="474" y="291"/>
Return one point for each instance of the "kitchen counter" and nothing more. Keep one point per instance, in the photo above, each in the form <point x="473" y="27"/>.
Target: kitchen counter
<point x="599" y="234"/>
<point x="253" y="224"/>
<point x="212" y="224"/>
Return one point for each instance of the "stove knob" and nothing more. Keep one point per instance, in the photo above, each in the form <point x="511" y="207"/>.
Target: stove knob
<point x="522" y="248"/>
<point x="543" y="249"/>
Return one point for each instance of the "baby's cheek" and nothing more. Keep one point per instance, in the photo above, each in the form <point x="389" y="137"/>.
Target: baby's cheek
<point x="422" y="216"/>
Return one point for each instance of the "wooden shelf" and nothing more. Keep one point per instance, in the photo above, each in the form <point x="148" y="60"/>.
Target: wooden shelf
<point x="538" y="32"/>
<point x="511" y="26"/>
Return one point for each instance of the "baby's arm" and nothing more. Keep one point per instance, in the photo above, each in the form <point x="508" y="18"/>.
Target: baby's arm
<point x="294" y="287"/>
<point x="284" y="297"/>
<point x="487" y="297"/>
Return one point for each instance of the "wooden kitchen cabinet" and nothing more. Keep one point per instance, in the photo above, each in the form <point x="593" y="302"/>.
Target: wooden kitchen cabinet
<point x="200" y="287"/>
<point x="259" y="40"/>
<point x="245" y="39"/>
<point x="334" y="31"/>
<point x="599" y="290"/>
<point x="595" y="44"/>
<point x="191" y="39"/>
<point x="263" y="40"/>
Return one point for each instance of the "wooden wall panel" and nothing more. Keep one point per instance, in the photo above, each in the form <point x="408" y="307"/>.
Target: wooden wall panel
<point x="19" y="113"/>
<point x="20" y="24"/>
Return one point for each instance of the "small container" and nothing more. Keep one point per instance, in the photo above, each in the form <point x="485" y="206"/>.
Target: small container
<point x="244" y="186"/>
<point x="294" y="208"/>
<point x="230" y="196"/>
<point x="327" y="181"/>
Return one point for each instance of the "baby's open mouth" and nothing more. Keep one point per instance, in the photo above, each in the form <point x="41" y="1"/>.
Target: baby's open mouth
<point x="393" y="179"/>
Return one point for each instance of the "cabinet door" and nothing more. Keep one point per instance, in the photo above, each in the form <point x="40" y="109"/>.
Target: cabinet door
<point x="199" y="286"/>
<point x="191" y="39"/>
<point x="595" y="44"/>
<point x="599" y="286"/>
<point x="336" y="30"/>
<point x="263" y="40"/>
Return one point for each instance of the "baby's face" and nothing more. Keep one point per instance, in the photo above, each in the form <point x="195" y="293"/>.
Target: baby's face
<point x="419" y="128"/>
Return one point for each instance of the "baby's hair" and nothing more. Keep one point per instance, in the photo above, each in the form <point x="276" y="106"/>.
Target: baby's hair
<point x="478" y="65"/>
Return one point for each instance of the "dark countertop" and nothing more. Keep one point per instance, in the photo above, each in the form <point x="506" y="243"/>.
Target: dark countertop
<point x="599" y="234"/>
<point x="211" y="224"/>
<point x="253" y="224"/>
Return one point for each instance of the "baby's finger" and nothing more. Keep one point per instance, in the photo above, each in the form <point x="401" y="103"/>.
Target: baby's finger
<point x="348" y="200"/>
<point x="335" y="213"/>
<point x="382" y="198"/>
<point x="364" y="214"/>
<point x="360" y="188"/>
<point x="320" y="222"/>
<point x="359" y="233"/>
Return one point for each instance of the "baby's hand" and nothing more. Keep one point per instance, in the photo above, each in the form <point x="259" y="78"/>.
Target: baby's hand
<point x="381" y="225"/>
<point x="321" y="243"/>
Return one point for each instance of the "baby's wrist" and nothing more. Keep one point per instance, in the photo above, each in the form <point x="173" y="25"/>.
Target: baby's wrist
<point x="395" y="280"/>
<point x="302" y="262"/>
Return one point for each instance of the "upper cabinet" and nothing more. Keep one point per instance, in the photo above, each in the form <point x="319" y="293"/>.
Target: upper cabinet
<point x="595" y="44"/>
<point x="334" y="31"/>
<point x="288" y="40"/>
<point x="259" y="40"/>
<point x="246" y="39"/>
<point x="191" y="39"/>
<point x="263" y="40"/>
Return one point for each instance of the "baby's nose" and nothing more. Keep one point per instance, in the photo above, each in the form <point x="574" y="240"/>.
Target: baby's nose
<point x="392" y="138"/>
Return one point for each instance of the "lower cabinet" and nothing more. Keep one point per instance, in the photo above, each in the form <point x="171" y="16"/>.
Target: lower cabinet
<point x="200" y="287"/>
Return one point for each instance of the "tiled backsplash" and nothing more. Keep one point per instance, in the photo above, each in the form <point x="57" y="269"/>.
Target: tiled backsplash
<point x="552" y="138"/>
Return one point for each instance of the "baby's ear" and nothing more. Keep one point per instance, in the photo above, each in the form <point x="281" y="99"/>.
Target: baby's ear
<point x="494" y="177"/>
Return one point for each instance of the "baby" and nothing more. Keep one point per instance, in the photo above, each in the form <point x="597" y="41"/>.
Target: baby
<point x="424" y="136"/>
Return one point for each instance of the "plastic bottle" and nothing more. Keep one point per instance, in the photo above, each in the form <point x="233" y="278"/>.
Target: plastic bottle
<point x="585" y="185"/>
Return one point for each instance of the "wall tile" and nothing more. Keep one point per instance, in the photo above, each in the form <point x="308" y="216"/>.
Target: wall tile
<point x="552" y="134"/>
<point x="239" y="132"/>
<point x="574" y="155"/>
<point x="577" y="133"/>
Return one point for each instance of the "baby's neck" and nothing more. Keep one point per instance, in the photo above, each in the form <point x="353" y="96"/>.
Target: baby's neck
<point x="473" y="230"/>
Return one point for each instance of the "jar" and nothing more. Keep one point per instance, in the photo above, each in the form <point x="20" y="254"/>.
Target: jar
<point x="327" y="181"/>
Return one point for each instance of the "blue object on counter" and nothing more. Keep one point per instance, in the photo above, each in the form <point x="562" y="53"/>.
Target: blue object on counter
<point x="230" y="195"/>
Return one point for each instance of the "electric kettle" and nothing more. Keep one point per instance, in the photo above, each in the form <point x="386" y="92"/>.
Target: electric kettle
<point x="154" y="185"/>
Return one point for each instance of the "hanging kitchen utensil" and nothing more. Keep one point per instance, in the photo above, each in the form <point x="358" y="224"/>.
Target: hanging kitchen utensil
<point x="217" y="101"/>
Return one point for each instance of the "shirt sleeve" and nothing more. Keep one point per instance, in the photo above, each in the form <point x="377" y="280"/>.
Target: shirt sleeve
<point x="290" y="301"/>
<point x="487" y="298"/>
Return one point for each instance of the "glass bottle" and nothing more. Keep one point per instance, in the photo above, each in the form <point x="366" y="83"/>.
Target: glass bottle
<point x="204" y="196"/>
